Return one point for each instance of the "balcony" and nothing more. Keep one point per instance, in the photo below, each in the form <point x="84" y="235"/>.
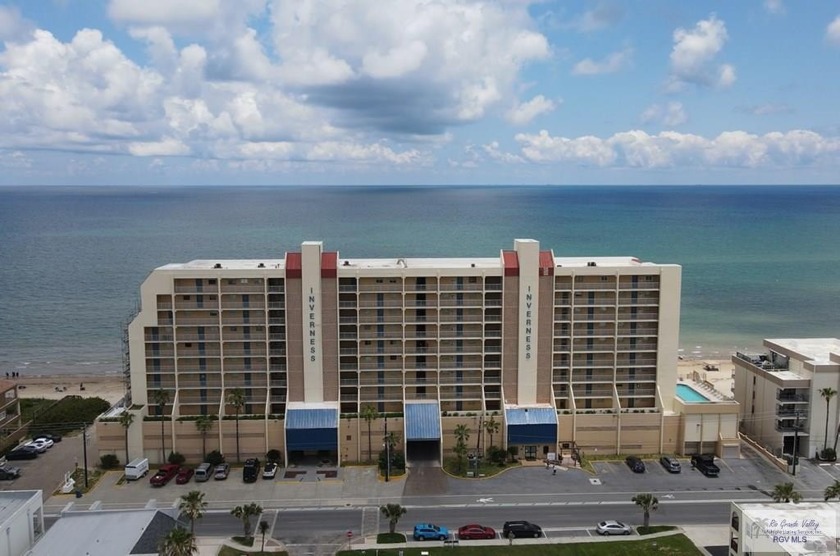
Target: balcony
<point x="791" y="396"/>
<point x="764" y="361"/>
<point x="790" y="426"/>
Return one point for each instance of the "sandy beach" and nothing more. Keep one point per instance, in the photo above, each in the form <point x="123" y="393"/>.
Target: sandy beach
<point x="717" y="372"/>
<point x="110" y="388"/>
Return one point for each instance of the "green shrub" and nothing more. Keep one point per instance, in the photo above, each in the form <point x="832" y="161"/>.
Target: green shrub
<point x="828" y="454"/>
<point x="274" y="455"/>
<point x="109" y="461"/>
<point x="177" y="458"/>
<point x="497" y="455"/>
<point x="68" y="415"/>
<point x="397" y="461"/>
<point x="214" y="458"/>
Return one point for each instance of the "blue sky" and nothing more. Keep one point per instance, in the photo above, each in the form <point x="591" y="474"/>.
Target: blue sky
<point x="419" y="92"/>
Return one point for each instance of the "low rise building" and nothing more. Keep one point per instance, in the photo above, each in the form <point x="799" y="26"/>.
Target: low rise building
<point x="21" y="521"/>
<point x="780" y="391"/>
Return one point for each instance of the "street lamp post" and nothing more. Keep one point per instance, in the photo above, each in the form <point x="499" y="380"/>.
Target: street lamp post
<point x="84" y="451"/>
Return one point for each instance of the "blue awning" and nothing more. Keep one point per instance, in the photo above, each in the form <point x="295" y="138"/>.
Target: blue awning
<point x="311" y="428"/>
<point x="531" y="425"/>
<point x="422" y="421"/>
<point x="312" y="418"/>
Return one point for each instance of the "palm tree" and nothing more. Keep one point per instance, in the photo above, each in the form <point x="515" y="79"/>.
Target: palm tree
<point x="193" y="506"/>
<point x="827" y="394"/>
<point x="178" y="542"/>
<point x="492" y="427"/>
<point x="648" y="502"/>
<point x="161" y="398"/>
<point x="369" y="414"/>
<point x="245" y="513"/>
<point x="204" y="423"/>
<point x="462" y="434"/>
<point x="784" y="492"/>
<point x="126" y="419"/>
<point x="263" y="529"/>
<point x="393" y="512"/>
<point x="832" y="491"/>
<point x="236" y="398"/>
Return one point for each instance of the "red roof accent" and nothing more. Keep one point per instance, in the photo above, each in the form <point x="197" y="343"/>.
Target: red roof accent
<point x="293" y="265"/>
<point x="511" y="262"/>
<point x="329" y="260"/>
<point x="546" y="263"/>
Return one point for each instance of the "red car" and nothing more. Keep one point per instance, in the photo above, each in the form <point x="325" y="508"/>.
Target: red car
<point x="164" y="474"/>
<point x="184" y="475"/>
<point x="475" y="531"/>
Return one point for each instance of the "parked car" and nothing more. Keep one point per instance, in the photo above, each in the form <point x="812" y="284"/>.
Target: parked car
<point x="184" y="475"/>
<point x="45" y="439"/>
<point x="9" y="473"/>
<point x="670" y="464"/>
<point x="635" y="464"/>
<point x="515" y="529"/>
<point x="251" y="471"/>
<point x="22" y="452"/>
<point x="475" y="531"/>
<point x="428" y="532"/>
<point x="54" y="437"/>
<point x="164" y="474"/>
<point x="270" y="470"/>
<point x="39" y="445"/>
<point x="203" y="472"/>
<point x="221" y="472"/>
<point x="612" y="527"/>
<point x="705" y="463"/>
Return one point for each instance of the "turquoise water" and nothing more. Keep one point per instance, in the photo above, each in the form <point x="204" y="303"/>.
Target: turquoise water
<point x="757" y="262"/>
<point x="688" y="394"/>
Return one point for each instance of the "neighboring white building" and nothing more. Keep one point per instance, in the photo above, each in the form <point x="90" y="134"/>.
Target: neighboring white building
<point x="21" y="520"/>
<point x="780" y="529"/>
<point x="107" y="533"/>
<point x="781" y="387"/>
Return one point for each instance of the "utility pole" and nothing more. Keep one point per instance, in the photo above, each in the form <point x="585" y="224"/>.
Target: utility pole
<point x="795" y="443"/>
<point x="387" y="452"/>
<point x="84" y="451"/>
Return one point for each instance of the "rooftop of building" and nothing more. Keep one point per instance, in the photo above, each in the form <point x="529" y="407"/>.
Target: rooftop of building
<point x="403" y="262"/>
<point x="105" y="533"/>
<point x="815" y="350"/>
<point x="13" y="500"/>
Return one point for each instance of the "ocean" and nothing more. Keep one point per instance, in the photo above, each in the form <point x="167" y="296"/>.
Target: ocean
<point x="758" y="262"/>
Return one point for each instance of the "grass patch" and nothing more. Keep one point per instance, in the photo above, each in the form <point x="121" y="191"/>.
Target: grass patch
<point x="79" y="476"/>
<point x="244" y="541"/>
<point x="675" y="545"/>
<point x="389" y="538"/>
<point x="30" y="407"/>
<point x="654" y="529"/>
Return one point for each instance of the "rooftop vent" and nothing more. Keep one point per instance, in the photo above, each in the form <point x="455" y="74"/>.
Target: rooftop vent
<point x="591" y="263"/>
<point x="217" y="265"/>
<point x="346" y="263"/>
<point x="261" y="265"/>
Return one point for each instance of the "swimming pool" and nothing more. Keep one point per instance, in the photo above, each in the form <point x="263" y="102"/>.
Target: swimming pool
<point x="688" y="394"/>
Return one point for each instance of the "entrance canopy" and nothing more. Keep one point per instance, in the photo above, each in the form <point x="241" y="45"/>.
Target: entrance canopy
<point x="422" y="421"/>
<point x="311" y="427"/>
<point x="531" y="425"/>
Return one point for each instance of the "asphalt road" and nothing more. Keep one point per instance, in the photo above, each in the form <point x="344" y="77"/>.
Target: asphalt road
<point x="300" y="526"/>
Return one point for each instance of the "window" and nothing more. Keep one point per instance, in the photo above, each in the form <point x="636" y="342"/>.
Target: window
<point x="472" y="280"/>
<point x="604" y="278"/>
<point x="211" y="281"/>
<point x="188" y="345"/>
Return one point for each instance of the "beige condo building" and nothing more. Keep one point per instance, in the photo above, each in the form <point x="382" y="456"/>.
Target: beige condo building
<point x="563" y="352"/>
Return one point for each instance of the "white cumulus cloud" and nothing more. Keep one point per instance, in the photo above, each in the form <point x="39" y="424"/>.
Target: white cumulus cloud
<point x="612" y="63"/>
<point x="775" y="7"/>
<point x="671" y="149"/>
<point x="832" y="32"/>
<point x="693" y="58"/>
<point x="523" y="113"/>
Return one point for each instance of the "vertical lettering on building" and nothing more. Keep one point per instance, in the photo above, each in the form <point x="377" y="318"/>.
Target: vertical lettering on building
<point x="529" y="304"/>
<point x="313" y="329"/>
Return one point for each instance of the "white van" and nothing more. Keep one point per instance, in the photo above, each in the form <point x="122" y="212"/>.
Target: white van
<point x="137" y="469"/>
<point x="203" y="472"/>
